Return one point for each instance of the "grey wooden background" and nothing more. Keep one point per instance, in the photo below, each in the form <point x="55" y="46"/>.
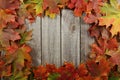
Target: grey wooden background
<point x="58" y="40"/>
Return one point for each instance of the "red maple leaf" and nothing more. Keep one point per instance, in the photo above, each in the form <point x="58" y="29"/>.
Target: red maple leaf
<point x="9" y="4"/>
<point x="40" y="73"/>
<point x="97" y="70"/>
<point x="51" y="5"/>
<point x="67" y="72"/>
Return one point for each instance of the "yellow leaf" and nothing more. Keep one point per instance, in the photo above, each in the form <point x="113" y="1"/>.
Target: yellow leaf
<point x="112" y="16"/>
<point x="51" y="15"/>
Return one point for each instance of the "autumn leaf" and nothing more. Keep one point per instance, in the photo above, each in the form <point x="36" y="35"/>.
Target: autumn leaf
<point x="2" y="63"/>
<point x="94" y="31"/>
<point x="79" y="6"/>
<point x="51" y="68"/>
<point x="53" y="76"/>
<point x="39" y="6"/>
<point x="82" y="70"/>
<point x="102" y="45"/>
<point x="40" y="73"/>
<point x="19" y="76"/>
<point x="51" y="15"/>
<point x="26" y="36"/>
<point x="93" y="11"/>
<point x="114" y="78"/>
<point x="5" y="18"/>
<point x="114" y="57"/>
<point x="12" y="48"/>
<point x="6" y="35"/>
<point x="112" y="16"/>
<point x="97" y="70"/>
<point x="21" y="62"/>
<point x="26" y="52"/>
<point x="67" y="72"/>
<point x="113" y="44"/>
<point x="51" y="7"/>
<point x="9" y="4"/>
<point x="90" y="18"/>
<point x="7" y="71"/>
<point x="26" y="11"/>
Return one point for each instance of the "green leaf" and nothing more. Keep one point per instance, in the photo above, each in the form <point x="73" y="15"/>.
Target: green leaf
<point x="53" y="76"/>
<point x="26" y="37"/>
<point x="38" y="7"/>
<point x="114" y="3"/>
<point x="113" y="78"/>
<point x="112" y="16"/>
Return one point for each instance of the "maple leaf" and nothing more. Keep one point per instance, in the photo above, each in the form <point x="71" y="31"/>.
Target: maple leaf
<point x="90" y="18"/>
<point x="112" y="16"/>
<point x="64" y="2"/>
<point x="53" y="76"/>
<point x="112" y="44"/>
<point x="26" y="11"/>
<point x="9" y="4"/>
<point x="114" y="78"/>
<point x="67" y="72"/>
<point x="51" y="7"/>
<point x="51" y="15"/>
<point x="82" y="73"/>
<point x="93" y="11"/>
<point x="26" y="36"/>
<point x="8" y="34"/>
<point x="13" y="25"/>
<point x="26" y="50"/>
<point x="39" y="6"/>
<point x="20" y="56"/>
<point x="5" y="18"/>
<point x="78" y="5"/>
<point x="20" y="76"/>
<point x="7" y="71"/>
<point x="20" y="60"/>
<point x="12" y="48"/>
<point x="103" y="45"/>
<point x="94" y="31"/>
<point x="82" y="70"/>
<point x="115" y="57"/>
<point x="51" y="68"/>
<point x="97" y="70"/>
<point x="2" y="63"/>
<point x="40" y="73"/>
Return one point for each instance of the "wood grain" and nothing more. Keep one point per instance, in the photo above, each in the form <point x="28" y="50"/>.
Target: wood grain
<point x="51" y="40"/>
<point x="59" y="40"/>
<point x="35" y="43"/>
<point x="86" y="41"/>
<point x="70" y="31"/>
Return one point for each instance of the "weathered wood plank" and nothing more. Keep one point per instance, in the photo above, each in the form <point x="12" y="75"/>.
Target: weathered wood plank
<point x="35" y="43"/>
<point x="70" y="31"/>
<point x="51" y="40"/>
<point x="86" y="41"/>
